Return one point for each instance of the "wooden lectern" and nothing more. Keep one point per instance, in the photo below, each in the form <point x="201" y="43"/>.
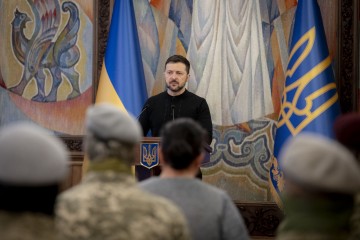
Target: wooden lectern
<point x="142" y="172"/>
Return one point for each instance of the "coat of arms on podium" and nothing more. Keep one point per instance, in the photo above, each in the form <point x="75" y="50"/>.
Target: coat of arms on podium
<point x="149" y="155"/>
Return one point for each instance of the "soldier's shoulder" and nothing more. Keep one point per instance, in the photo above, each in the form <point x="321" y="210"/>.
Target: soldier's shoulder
<point x="163" y="206"/>
<point x="27" y="226"/>
<point x="165" y="213"/>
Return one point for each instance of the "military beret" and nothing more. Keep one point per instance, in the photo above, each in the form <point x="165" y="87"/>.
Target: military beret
<point x="321" y="163"/>
<point x="347" y="130"/>
<point x="31" y="156"/>
<point x="107" y="122"/>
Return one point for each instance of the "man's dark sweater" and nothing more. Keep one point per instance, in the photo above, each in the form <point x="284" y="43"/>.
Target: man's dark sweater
<point x="163" y="108"/>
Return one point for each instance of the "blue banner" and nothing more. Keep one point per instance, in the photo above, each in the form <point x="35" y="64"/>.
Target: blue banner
<point x="122" y="79"/>
<point x="310" y="100"/>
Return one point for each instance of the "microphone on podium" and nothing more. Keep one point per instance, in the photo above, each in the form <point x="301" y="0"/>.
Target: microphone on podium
<point x="142" y="111"/>
<point x="173" y="111"/>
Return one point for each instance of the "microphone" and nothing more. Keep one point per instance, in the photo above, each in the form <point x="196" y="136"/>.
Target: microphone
<point x="142" y="111"/>
<point x="173" y="111"/>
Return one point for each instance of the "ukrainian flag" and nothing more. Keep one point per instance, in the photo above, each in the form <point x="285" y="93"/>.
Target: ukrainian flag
<point x="310" y="100"/>
<point x="122" y="80"/>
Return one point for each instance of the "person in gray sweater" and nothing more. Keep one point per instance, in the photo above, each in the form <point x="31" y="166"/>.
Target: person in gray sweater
<point x="210" y="212"/>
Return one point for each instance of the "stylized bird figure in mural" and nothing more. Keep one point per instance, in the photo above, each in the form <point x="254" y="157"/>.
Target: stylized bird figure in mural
<point x="47" y="50"/>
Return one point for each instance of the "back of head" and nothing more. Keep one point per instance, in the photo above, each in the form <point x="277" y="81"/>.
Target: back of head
<point x="182" y="140"/>
<point x="111" y="133"/>
<point x="347" y="130"/>
<point x="33" y="163"/>
<point x="318" y="163"/>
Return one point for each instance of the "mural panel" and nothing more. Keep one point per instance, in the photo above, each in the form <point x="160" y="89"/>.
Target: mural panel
<point x="47" y="63"/>
<point x="238" y="52"/>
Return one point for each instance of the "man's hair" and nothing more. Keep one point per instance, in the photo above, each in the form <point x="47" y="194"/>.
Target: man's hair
<point x="182" y="140"/>
<point x="177" y="59"/>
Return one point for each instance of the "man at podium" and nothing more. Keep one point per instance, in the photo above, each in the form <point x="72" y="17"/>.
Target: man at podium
<point x="175" y="102"/>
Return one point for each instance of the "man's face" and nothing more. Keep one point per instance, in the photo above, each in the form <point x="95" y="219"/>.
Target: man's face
<point x="176" y="78"/>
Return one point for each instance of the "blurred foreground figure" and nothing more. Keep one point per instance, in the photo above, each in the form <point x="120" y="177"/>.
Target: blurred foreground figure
<point x="33" y="163"/>
<point x="321" y="179"/>
<point x="107" y="204"/>
<point x="210" y="212"/>
<point x="347" y="132"/>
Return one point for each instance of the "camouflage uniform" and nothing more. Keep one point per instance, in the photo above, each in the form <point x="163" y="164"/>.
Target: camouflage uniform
<point x="26" y="226"/>
<point x="109" y="205"/>
<point x="315" y="219"/>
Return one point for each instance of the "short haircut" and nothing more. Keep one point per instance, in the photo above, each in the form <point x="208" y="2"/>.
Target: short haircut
<point x="177" y="59"/>
<point x="182" y="140"/>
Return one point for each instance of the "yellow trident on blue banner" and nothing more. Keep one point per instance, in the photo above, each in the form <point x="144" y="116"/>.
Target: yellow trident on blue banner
<point x="310" y="100"/>
<point x="149" y="155"/>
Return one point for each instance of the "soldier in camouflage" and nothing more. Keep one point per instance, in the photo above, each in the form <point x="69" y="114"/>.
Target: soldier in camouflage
<point x="26" y="226"/>
<point x="33" y="163"/>
<point x="108" y="204"/>
<point x="322" y="177"/>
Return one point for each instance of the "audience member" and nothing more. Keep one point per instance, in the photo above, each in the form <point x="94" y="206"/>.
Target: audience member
<point x="347" y="132"/>
<point x="33" y="163"/>
<point x="321" y="178"/>
<point x="108" y="204"/>
<point x="210" y="212"/>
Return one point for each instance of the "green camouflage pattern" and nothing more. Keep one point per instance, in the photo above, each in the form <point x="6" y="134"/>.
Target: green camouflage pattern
<point x="109" y="205"/>
<point x="315" y="218"/>
<point x="26" y="226"/>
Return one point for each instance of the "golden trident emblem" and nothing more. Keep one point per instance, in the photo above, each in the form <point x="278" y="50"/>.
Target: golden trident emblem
<point x="289" y="107"/>
<point x="149" y="155"/>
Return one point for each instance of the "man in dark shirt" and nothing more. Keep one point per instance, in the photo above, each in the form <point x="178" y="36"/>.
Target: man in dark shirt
<point x="175" y="102"/>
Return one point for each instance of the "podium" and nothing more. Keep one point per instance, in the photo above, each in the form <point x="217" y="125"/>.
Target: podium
<point x="142" y="172"/>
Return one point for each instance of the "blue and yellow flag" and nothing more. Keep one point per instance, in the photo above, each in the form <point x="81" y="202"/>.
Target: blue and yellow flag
<point x="122" y="79"/>
<point x="310" y="100"/>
